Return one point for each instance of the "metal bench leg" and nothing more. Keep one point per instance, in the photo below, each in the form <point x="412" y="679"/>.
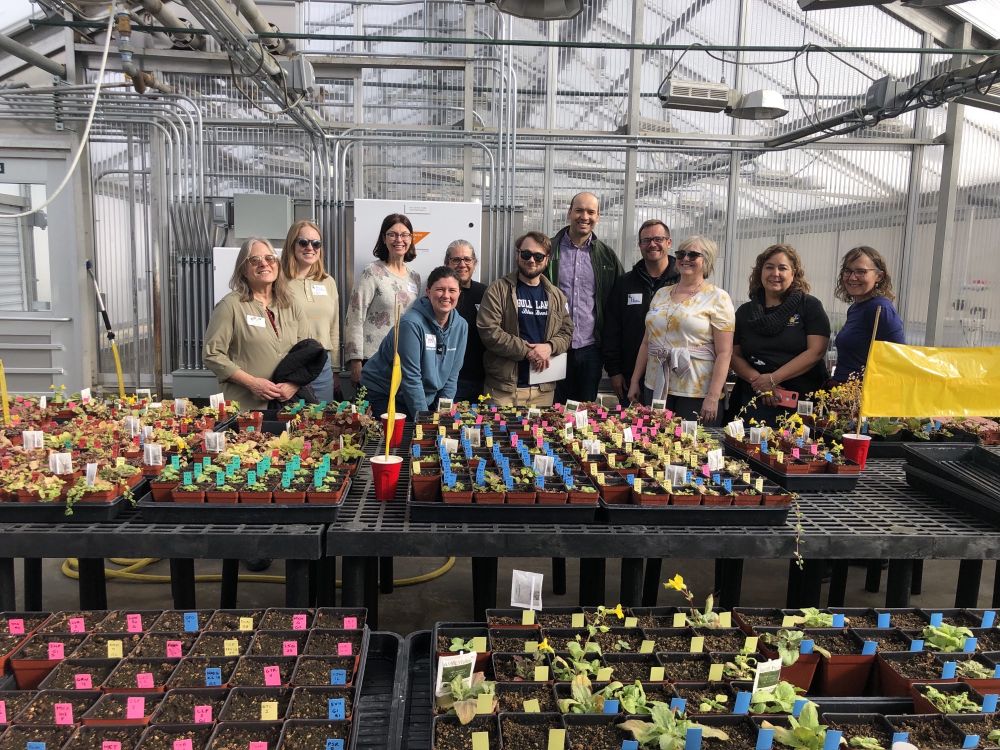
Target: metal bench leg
<point x="385" y="575"/>
<point x="33" y="584"/>
<point x="837" y="595"/>
<point x="93" y="593"/>
<point x="296" y="583"/>
<point x="730" y="582"/>
<point x="592" y="581"/>
<point x="484" y="586"/>
<point x="181" y="582"/>
<point x="996" y="586"/>
<point x="8" y="586"/>
<point x="371" y="591"/>
<point x="897" y="583"/>
<point x="970" y="574"/>
<point x="651" y="581"/>
<point x="873" y="576"/>
<point x="326" y="582"/>
<point x="558" y="576"/>
<point x="353" y="592"/>
<point x="793" y="593"/>
<point x="917" y="584"/>
<point x="631" y="581"/>
<point x="230" y="584"/>
<point x="812" y="583"/>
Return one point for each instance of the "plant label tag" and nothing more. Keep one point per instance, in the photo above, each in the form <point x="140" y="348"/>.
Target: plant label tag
<point x="57" y="650"/>
<point x="526" y="590"/>
<point x="215" y="401"/>
<point x="742" y="703"/>
<point x="480" y="741"/>
<point x="185" y="744"/>
<point x="869" y="648"/>
<point x="604" y="674"/>
<point x="806" y="646"/>
<point x="83" y="681"/>
<point x="838" y="620"/>
<point x="715" y="672"/>
<point x="135" y="707"/>
<point x="213" y="677"/>
<point x="246" y="623"/>
<point x="34" y="746"/>
<point x="91" y="474"/>
<point x="969" y="647"/>
<point x="272" y="676"/>
<point x="692" y="738"/>
<point x="581" y="419"/>
<point x="610" y="706"/>
<point x="970" y="741"/>
<point x="15" y="626"/>
<point x="989" y="617"/>
<point x="884" y="618"/>
<point x="175" y="649"/>
<point x="572" y="406"/>
<point x="577" y="620"/>
<point x="152" y="454"/>
<point x="833" y="736"/>
<point x="656" y="674"/>
<point x="484" y="703"/>
<point x="916" y="645"/>
<point x="63" y="713"/>
<point x="765" y="739"/>
<point x="715" y="460"/>
<point x="750" y="644"/>
<point x="191" y="622"/>
<point x="725" y="619"/>
<point x="676" y="475"/>
<point x="630" y="745"/>
<point x="338" y="676"/>
<point x="937" y="619"/>
<point x="797" y="707"/>
<point x="133" y="623"/>
<point x="528" y="617"/>
<point x="680" y="620"/>
<point x="450" y="667"/>
<point x="948" y="670"/>
<point x="631" y="622"/>
<point x="299" y="622"/>
<point x="336" y="709"/>
<point x="110" y="745"/>
<point x="269" y="711"/>
<point x="144" y="680"/>
<point x="996" y="672"/>
<point x="990" y="703"/>
<point x="697" y="644"/>
<point x="32" y="439"/>
<point x="334" y="743"/>
<point x="677" y="705"/>
<point x="202" y="714"/>
<point x="290" y="648"/>
<point x="541" y="674"/>
<point x="344" y="649"/>
<point x="767" y="675"/>
<point x="3" y="712"/>
<point x="257" y="746"/>
<point x="804" y="407"/>
<point x="658" y="404"/>
<point x="556" y="740"/>
<point x="531" y="647"/>
<point x="231" y="647"/>
<point x="531" y="706"/>
<point x="900" y="737"/>
<point x="445" y="404"/>
<point x="77" y="625"/>
<point x="788" y="621"/>
<point x="85" y="396"/>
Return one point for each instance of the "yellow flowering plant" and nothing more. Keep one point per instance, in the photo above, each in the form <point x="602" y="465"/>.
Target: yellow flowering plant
<point x="706" y="618"/>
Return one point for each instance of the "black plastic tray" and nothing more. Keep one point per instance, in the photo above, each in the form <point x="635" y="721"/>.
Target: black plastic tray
<point x="15" y="512"/>
<point x="798" y="482"/>
<point x="942" y="488"/>
<point x="376" y="716"/>
<point x="897" y="448"/>
<point x="441" y="512"/>
<point x="973" y="467"/>
<point x="694" y="515"/>
<point x="169" y="512"/>
<point x="417" y="708"/>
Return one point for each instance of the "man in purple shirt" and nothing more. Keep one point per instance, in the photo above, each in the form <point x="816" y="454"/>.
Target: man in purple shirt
<point x="585" y="269"/>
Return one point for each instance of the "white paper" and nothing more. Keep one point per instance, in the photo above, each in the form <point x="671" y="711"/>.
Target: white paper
<point x="474" y="435"/>
<point x="145" y="393"/>
<point x="715" y="460"/>
<point x="526" y="589"/>
<point x="85" y="395"/>
<point x="450" y="445"/>
<point x="755" y="434"/>
<point x="767" y="676"/>
<point x="215" y="442"/>
<point x="736" y="429"/>
<point x="91" y="474"/>
<point x="555" y="371"/>
<point x="216" y="400"/>
<point x="32" y="439"/>
<point x="180" y="407"/>
<point x="42" y="402"/>
<point x="61" y="463"/>
<point x="627" y="435"/>
<point x="689" y="427"/>
<point x="805" y="407"/>
<point x="572" y="406"/>
<point x="658" y="404"/>
<point x="582" y="419"/>
<point x="675" y="474"/>
<point x="445" y="404"/>
<point x="152" y="454"/>
<point x="450" y="667"/>
<point x="592" y="447"/>
<point x="543" y="465"/>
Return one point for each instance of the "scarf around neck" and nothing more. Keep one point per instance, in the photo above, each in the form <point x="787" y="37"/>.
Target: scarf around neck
<point x="771" y="322"/>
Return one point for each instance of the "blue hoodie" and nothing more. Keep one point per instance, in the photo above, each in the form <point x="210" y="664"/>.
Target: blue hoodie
<point x="430" y="357"/>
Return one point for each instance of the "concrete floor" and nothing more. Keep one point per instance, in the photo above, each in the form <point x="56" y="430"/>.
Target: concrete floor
<point x="448" y="598"/>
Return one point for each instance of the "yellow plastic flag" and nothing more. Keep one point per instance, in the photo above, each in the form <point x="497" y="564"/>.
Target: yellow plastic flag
<point x="394" y="380"/>
<point x="3" y="395"/>
<point x="924" y="381"/>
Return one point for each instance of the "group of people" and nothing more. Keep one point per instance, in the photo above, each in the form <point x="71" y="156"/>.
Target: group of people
<point x="661" y="331"/>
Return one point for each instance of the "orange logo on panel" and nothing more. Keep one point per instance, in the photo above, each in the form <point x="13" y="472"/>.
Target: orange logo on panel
<point x="417" y="236"/>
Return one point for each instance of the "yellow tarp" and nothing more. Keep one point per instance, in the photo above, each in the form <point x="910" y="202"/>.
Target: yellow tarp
<point x="926" y="381"/>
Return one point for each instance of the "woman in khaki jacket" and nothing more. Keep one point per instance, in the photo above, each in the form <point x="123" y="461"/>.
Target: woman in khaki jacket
<point x="252" y="328"/>
<point x="313" y="288"/>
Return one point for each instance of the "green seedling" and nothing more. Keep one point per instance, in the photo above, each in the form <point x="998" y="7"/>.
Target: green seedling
<point x="781" y="700"/>
<point x="951" y="703"/>
<point x="971" y="669"/>
<point x="668" y="729"/>
<point x="947" y="638"/>
<point x="812" y="618"/>
<point x="804" y="732"/>
<point x="788" y="643"/>
<point x="631" y="697"/>
<point x="461" y="646"/>
<point x="463" y="699"/>
<point x="741" y="667"/>
<point x="716" y="705"/>
<point x="584" y="700"/>
<point x="866" y="743"/>
<point x="578" y="662"/>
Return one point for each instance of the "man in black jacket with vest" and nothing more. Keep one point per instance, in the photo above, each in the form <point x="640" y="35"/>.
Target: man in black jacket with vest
<point x="628" y="303"/>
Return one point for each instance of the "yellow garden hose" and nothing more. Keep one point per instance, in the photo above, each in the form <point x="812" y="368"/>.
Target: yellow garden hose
<point x="127" y="573"/>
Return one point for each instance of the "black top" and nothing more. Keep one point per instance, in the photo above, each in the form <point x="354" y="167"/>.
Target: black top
<point x="468" y="307"/>
<point x="532" y="320"/>
<point x="768" y="353"/>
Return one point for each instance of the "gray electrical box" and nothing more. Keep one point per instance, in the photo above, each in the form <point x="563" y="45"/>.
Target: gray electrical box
<point x="262" y="216"/>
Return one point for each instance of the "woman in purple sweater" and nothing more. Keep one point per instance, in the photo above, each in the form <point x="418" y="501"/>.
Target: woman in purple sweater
<point x="864" y="282"/>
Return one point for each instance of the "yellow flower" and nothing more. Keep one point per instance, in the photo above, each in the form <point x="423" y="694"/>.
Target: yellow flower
<point x="484" y="397"/>
<point x="618" y="611"/>
<point x="676" y="583"/>
<point x="544" y="646"/>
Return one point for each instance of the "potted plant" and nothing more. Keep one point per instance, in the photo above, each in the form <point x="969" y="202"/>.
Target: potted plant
<point x="425" y="477"/>
<point x="492" y="491"/>
<point x="456" y="493"/>
<point x="168" y="478"/>
<point x="945" y="698"/>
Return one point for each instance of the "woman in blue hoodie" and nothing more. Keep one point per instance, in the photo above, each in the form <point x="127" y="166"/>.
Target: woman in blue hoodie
<point x="432" y="337"/>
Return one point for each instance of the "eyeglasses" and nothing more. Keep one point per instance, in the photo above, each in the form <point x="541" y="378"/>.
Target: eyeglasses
<point x="393" y="236"/>
<point x="464" y="261"/>
<point x="258" y="261"/>
<point x="855" y="273"/>
<point x="646" y="241"/>
<point x="303" y="243"/>
<point x="528" y="255"/>
<point x="687" y="255"/>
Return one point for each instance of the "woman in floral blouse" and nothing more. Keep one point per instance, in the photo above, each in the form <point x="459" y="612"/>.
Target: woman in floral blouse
<point x="384" y="284"/>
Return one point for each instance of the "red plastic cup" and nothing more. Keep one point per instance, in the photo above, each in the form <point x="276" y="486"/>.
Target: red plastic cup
<point x="397" y="430"/>
<point x="856" y="448"/>
<point x="385" y="472"/>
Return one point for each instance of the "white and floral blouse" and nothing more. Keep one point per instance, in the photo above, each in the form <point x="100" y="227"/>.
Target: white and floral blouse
<point x="373" y="305"/>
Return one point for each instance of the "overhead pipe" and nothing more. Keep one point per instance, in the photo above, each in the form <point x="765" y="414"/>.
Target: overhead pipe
<point x="31" y="57"/>
<point x="257" y="21"/>
<point x="141" y="80"/>
<point x="171" y="20"/>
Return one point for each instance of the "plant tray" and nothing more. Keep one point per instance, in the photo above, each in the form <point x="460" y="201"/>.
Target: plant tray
<point x="375" y="718"/>
<point x="694" y="515"/>
<point x="437" y="511"/>
<point x="889" y="448"/>
<point x="972" y="467"/>
<point x="798" y="482"/>
<point x="417" y="703"/>
<point x="954" y="494"/>
<point x="83" y="512"/>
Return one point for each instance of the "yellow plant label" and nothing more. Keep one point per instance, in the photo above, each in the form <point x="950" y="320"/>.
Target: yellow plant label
<point x="780" y="456"/>
<point x="604" y="674"/>
<point x="600" y="478"/>
<point x="759" y="484"/>
<point x="418" y="432"/>
<point x="788" y="621"/>
<point x="479" y="644"/>
<point x="656" y="674"/>
<point x="480" y="741"/>
<point x="646" y="647"/>
<point x="531" y="706"/>
<point x="416" y="467"/>
<point x="715" y="673"/>
<point x="528" y="617"/>
<point x="725" y="619"/>
<point x="246" y="623"/>
<point x="637" y="486"/>
<point x="541" y="674"/>
<point x="593" y="470"/>
<point x="530" y="647"/>
<point x="442" y="430"/>
<point x="557" y="739"/>
<point x="114" y="649"/>
<point x="231" y="647"/>
<point x="697" y="644"/>
<point x="750" y="644"/>
<point x="680" y="620"/>
<point x="484" y="703"/>
<point x="611" y="460"/>
<point x="269" y="711"/>
<point x="746" y="477"/>
<point x="576" y="620"/>
<point x="489" y="441"/>
<point x="631" y="622"/>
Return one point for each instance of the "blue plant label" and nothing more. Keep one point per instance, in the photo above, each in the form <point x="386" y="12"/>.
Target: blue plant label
<point x="286" y="482"/>
<point x="838" y="621"/>
<point x="630" y="479"/>
<point x="186" y="478"/>
<point x="996" y="672"/>
<point x="610" y="706"/>
<point x="742" y="703"/>
<point x="338" y="676"/>
<point x="509" y="482"/>
<point x="832" y="739"/>
<point x="416" y="450"/>
<point x="828" y="457"/>
<point x="692" y="739"/>
<point x="716" y="478"/>
<point x="797" y="707"/>
<point x="969" y="646"/>
<point x="175" y="461"/>
<point x="970" y="741"/>
<point x="989" y="617"/>
<point x="630" y="745"/>
<point x="213" y="677"/>
<point x="35" y="746"/>
<point x="220" y="478"/>
<point x="869" y="647"/>
<point x="251" y="477"/>
<point x="678" y="704"/>
<point x="763" y="446"/>
<point x="884" y="618"/>
<point x="335" y="709"/>
<point x="916" y="645"/>
<point x="948" y="670"/>
<point x="806" y="646"/>
<point x="699" y="481"/>
<point x="191" y="622"/>
<point x="765" y="739"/>
<point x="568" y="480"/>
<point x="727" y="485"/>
<point x="990" y="703"/>
<point x="900" y="737"/>
<point x="334" y="743"/>
<point x="206" y="462"/>
<point x="540" y="482"/>
<point x="937" y="619"/>
<point x="687" y="477"/>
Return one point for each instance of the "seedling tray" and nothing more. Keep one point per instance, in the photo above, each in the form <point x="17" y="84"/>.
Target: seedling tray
<point x="973" y="467"/>
<point x="170" y="512"/>
<point x="440" y="512"/>
<point x="83" y="512"/>
<point x="417" y="701"/>
<point x="798" y="482"/>
<point x="694" y="515"/>
<point x="375" y="720"/>
<point x="890" y="448"/>
<point x="956" y="494"/>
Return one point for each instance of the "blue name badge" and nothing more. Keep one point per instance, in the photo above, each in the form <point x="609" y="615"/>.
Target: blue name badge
<point x="334" y="744"/>
<point x="765" y="738"/>
<point x="191" y="622"/>
<point x="213" y="677"/>
<point x="338" y="676"/>
<point x="610" y="706"/>
<point x="335" y="709"/>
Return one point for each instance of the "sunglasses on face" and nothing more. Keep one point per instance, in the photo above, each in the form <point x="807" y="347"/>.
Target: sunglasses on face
<point x="537" y="257"/>
<point x="687" y="255"/>
<point x="258" y="261"/>
<point x="304" y="243"/>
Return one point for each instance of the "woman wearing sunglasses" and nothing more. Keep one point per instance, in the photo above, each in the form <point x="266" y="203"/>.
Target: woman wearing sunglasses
<point x="383" y="285"/>
<point x="253" y="328"/>
<point x="310" y="284"/>
<point x="684" y="356"/>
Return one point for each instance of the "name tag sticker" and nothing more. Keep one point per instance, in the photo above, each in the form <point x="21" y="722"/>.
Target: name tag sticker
<point x="256" y="321"/>
<point x="635" y="299"/>
<point x="430" y="341"/>
<point x="319" y="290"/>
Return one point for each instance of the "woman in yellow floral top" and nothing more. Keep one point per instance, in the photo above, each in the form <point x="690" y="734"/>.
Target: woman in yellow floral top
<point x="383" y="284"/>
<point x="684" y="356"/>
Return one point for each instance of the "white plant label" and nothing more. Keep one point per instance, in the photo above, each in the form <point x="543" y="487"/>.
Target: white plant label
<point x="568" y="431"/>
<point x="147" y="432"/>
<point x="61" y="463"/>
<point x="450" y="667"/>
<point x="715" y="460"/>
<point x="445" y="404"/>
<point x="133" y="426"/>
<point x="736" y="429"/>
<point x="755" y="434"/>
<point x="450" y="444"/>
<point x="767" y="676"/>
<point x="180" y="407"/>
<point x="543" y="465"/>
<point x="474" y="436"/>
<point x="581" y="419"/>
<point x="91" y="474"/>
<point x="572" y="406"/>
<point x="627" y="435"/>
<point x="526" y="589"/>
<point x="152" y="454"/>
<point x="658" y="404"/>
<point x="534" y="414"/>
<point x="42" y="402"/>
<point x="216" y="399"/>
<point x="689" y="427"/>
<point x="805" y="407"/>
<point x="676" y="474"/>
<point x="215" y="442"/>
<point x="85" y="395"/>
<point x="145" y="393"/>
<point x="32" y="439"/>
<point x="592" y="447"/>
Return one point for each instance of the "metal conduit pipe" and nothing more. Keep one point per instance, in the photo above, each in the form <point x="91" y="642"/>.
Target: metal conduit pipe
<point x="260" y="24"/>
<point x="171" y="20"/>
<point x="31" y="57"/>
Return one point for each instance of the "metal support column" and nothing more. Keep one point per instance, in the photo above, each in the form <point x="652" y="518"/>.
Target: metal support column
<point x="8" y="588"/>
<point x="632" y="127"/>
<point x="93" y="592"/>
<point x="33" y="584"/>
<point x="651" y="581"/>
<point x="631" y="581"/>
<point x="592" y="581"/>
<point x="469" y="104"/>
<point x="729" y="270"/>
<point x="297" y="583"/>
<point x="897" y="584"/>
<point x="970" y="574"/>
<point x="484" y="586"/>
<point x="181" y="582"/>
<point x="230" y="584"/>
<point x="548" y="174"/>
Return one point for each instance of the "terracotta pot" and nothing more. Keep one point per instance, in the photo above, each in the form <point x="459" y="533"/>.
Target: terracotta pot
<point x="747" y="500"/>
<point x="521" y="497"/>
<point x="717" y="501"/>
<point x="844" y="674"/>
<point x="289" y="497"/>
<point x="314" y="497"/>
<point x="575" y="497"/>
<point x="548" y="497"/>
<point x="184" y="496"/>
<point x="802" y="672"/>
<point x="250" y="497"/>
<point x="650" y="499"/>
<point x="488" y="498"/>
<point x="773" y="500"/>
<point x="218" y="497"/>
<point x="615" y="494"/>
<point x="161" y="490"/>
<point x="426" y="487"/>
<point x="685" y="499"/>
<point x="457" y="498"/>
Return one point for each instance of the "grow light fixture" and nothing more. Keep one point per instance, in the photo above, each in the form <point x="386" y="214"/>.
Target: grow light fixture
<point x="763" y="104"/>
<point x="541" y="10"/>
<point x="700" y="96"/>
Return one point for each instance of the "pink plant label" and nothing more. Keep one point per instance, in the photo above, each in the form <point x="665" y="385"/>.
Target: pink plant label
<point x="298" y="622"/>
<point x="3" y="712"/>
<point x="344" y="649"/>
<point x="144" y="680"/>
<point x="350" y="623"/>
<point x="57" y="650"/>
<point x="705" y="472"/>
<point x="513" y="441"/>
<point x="202" y="714"/>
<point x="133" y="623"/>
<point x="290" y="648"/>
<point x="64" y="713"/>
<point x="15" y="626"/>
<point x="813" y="449"/>
<point x="174" y="649"/>
<point x="479" y="419"/>
<point x="183" y="745"/>
<point x="272" y="676"/>
<point x="677" y="431"/>
<point x="795" y="452"/>
<point x="258" y="746"/>
<point x="77" y="625"/>
<point x="111" y="745"/>
<point x="83" y="681"/>
<point x="135" y="707"/>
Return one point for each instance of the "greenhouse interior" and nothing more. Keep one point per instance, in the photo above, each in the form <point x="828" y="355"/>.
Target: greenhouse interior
<point x="680" y="324"/>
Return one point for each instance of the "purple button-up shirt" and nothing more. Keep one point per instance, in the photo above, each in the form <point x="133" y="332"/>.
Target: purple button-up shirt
<point x="576" y="279"/>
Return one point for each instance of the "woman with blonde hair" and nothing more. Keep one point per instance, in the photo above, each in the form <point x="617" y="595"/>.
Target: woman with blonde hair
<point x="316" y="290"/>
